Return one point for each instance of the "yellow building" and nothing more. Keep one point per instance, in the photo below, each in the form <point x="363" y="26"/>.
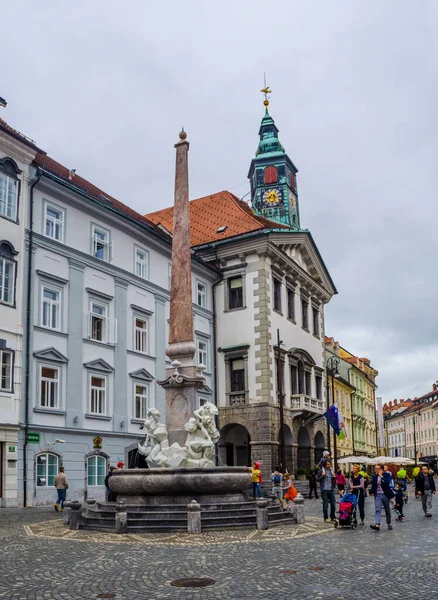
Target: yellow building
<point x="362" y="377"/>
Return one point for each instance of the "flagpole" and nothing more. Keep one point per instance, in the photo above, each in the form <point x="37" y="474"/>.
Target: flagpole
<point x="332" y="366"/>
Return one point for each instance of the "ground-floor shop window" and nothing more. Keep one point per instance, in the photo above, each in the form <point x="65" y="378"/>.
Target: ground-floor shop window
<point x="47" y="468"/>
<point x="96" y="470"/>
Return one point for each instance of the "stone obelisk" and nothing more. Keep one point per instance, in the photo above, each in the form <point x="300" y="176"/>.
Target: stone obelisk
<point x="182" y="377"/>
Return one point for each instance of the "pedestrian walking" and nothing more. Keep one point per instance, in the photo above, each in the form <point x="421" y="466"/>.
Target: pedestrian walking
<point x="425" y="488"/>
<point x="382" y="492"/>
<point x="277" y="485"/>
<point x="111" y="496"/>
<point x="313" y="484"/>
<point x="326" y="477"/>
<point x="399" y="501"/>
<point x="61" y="484"/>
<point x="256" y="479"/>
<point x="357" y="484"/>
<point x="340" y="482"/>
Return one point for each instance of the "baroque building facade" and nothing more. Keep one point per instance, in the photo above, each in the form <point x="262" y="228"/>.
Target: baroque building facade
<point x="97" y="300"/>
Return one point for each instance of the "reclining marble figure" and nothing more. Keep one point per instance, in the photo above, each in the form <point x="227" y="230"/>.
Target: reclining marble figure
<point x="198" y="450"/>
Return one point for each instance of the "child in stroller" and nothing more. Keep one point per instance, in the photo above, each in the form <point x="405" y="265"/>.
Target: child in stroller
<point x="347" y="511"/>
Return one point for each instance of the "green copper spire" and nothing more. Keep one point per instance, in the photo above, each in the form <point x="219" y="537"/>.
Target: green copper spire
<point x="269" y="143"/>
<point x="272" y="175"/>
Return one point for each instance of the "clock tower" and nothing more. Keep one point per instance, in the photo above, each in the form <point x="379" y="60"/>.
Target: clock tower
<point x="272" y="176"/>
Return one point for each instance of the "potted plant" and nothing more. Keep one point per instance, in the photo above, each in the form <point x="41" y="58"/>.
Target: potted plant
<point x="301" y="474"/>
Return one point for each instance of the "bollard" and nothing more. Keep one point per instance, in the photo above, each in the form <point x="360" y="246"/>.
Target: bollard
<point x="193" y="517"/>
<point x="121" y="517"/>
<point x="262" y="514"/>
<point x="66" y="513"/>
<point x="299" y="505"/>
<point x="75" y="514"/>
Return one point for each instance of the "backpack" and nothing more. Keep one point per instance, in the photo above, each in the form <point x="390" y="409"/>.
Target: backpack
<point x="277" y="479"/>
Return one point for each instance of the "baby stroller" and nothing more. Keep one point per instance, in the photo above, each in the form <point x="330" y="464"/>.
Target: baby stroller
<point x="347" y="511"/>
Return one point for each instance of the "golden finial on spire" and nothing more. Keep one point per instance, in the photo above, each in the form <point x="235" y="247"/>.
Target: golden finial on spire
<point x="266" y="90"/>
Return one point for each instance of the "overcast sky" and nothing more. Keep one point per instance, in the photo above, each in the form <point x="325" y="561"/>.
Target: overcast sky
<point x="105" y="86"/>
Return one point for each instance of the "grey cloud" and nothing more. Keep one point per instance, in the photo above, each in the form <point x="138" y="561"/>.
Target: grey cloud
<point x="105" y="87"/>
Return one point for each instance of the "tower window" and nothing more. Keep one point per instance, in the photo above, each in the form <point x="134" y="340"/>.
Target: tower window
<point x="270" y="175"/>
<point x="292" y="180"/>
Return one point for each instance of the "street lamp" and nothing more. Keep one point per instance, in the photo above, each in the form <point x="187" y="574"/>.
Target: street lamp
<point x="415" y="437"/>
<point x="332" y="366"/>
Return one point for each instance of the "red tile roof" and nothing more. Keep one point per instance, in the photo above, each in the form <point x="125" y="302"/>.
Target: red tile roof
<point x="210" y="213"/>
<point x="18" y="136"/>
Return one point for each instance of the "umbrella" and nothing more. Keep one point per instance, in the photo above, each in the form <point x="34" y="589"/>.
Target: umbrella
<point x="364" y="460"/>
<point x="397" y="460"/>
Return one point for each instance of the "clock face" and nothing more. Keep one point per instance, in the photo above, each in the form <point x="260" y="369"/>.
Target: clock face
<point x="292" y="200"/>
<point x="272" y="197"/>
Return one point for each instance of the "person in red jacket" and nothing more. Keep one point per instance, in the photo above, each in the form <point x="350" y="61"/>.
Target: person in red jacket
<point x="340" y="482"/>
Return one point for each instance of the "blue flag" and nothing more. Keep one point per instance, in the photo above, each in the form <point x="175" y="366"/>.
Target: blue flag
<point x="332" y="417"/>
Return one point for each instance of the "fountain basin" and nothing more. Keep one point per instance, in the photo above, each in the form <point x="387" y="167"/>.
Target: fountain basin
<point x="181" y="482"/>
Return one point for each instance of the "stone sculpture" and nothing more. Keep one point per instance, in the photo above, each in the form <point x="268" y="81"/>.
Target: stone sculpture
<point x="156" y="444"/>
<point x="202" y="436"/>
<point x="198" y="450"/>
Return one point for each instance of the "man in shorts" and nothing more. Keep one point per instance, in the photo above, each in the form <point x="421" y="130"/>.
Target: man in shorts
<point x="277" y="485"/>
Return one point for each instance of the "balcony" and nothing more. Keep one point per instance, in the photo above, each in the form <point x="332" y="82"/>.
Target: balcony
<point x="303" y="403"/>
<point x="237" y="398"/>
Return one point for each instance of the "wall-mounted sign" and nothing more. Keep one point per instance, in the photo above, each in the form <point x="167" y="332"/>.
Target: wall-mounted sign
<point x="33" y="438"/>
<point x="11" y="448"/>
<point x="97" y="441"/>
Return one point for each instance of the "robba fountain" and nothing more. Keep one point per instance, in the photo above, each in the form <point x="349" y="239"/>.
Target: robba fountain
<point x="182" y="485"/>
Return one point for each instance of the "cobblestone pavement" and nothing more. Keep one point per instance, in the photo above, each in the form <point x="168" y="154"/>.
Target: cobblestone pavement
<point x="41" y="560"/>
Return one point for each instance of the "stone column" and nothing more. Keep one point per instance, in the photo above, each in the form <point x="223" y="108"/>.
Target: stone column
<point x="120" y="408"/>
<point x="193" y="517"/>
<point x="74" y="406"/>
<point x="121" y="518"/>
<point x="262" y="514"/>
<point x="299" y="505"/>
<point x="182" y="378"/>
<point x="160" y="350"/>
<point x="75" y="514"/>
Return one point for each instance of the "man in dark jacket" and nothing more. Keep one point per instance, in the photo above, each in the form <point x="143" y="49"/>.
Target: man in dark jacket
<point x="313" y="486"/>
<point x="326" y="477"/>
<point x="425" y="487"/>
<point x="382" y="492"/>
<point x="110" y="494"/>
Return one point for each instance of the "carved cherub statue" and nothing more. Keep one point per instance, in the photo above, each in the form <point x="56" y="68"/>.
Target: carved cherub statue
<point x="157" y="439"/>
<point x="202" y="435"/>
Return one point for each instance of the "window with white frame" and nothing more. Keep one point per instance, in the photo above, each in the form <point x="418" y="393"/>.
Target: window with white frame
<point x="8" y="196"/>
<point x="7" y="280"/>
<point x="141" y="263"/>
<point x="203" y="400"/>
<point x="96" y="470"/>
<point x="140" y="401"/>
<point x="202" y="351"/>
<point x="6" y="370"/>
<point x="141" y="334"/>
<point x="98" y="324"/>
<point x="49" y="387"/>
<point x="50" y="308"/>
<point x="54" y="222"/>
<point x="101" y="243"/>
<point x="169" y="275"/>
<point x="47" y="467"/>
<point x="201" y="294"/>
<point x="98" y="387"/>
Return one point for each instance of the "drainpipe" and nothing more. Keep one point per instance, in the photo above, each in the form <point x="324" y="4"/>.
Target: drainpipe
<point x="28" y="328"/>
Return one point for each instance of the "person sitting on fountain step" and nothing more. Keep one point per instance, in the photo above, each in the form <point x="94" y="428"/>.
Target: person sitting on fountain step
<point x="256" y="479"/>
<point x="277" y="485"/>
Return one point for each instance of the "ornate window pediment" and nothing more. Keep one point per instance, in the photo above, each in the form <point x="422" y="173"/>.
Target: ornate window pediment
<point x="50" y="354"/>
<point x="99" y="365"/>
<point x="142" y="375"/>
<point x="7" y="250"/>
<point x="9" y="166"/>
